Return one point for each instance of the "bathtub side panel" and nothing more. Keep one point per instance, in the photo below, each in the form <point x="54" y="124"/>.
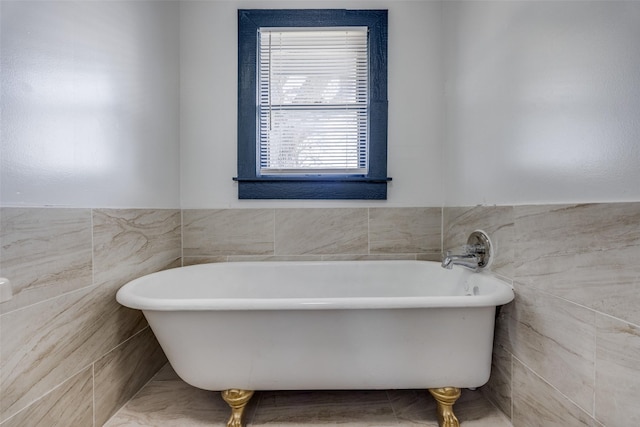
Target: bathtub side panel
<point x="328" y="349"/>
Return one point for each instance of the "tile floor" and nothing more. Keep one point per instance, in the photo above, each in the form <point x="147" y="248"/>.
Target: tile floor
<point x="166" y="401"/>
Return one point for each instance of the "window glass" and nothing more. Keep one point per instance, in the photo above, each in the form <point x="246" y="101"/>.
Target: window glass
<point x="313" y="100"/>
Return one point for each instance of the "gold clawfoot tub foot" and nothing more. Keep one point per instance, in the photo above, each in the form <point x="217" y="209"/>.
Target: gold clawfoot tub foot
<point x="446" y="397"/>
<point x="238" y="400"/>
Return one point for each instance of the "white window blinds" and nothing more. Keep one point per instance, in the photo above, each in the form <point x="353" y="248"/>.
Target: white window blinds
<point x="312" y="101"/>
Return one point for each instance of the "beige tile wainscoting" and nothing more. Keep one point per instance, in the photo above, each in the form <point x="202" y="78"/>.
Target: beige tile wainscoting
<point x="311" y="234"/>
<point x="70" y="355"/>
<point x="567" y="350"/>
<point x="566" y="353"/>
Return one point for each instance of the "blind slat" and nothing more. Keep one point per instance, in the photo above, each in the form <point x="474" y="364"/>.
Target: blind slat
<point x="313" y="94"/>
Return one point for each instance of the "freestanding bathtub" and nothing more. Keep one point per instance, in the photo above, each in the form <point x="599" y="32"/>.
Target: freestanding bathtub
<point x="245" y="326"/>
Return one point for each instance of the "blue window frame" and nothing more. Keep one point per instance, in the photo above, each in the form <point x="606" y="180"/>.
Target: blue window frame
<point x="254" y="185"/>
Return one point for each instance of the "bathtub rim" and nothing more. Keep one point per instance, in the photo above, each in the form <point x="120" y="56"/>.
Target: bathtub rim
<point x="502" y="294"/>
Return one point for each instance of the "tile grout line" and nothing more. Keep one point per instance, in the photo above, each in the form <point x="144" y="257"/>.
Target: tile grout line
<point x="257" y="408"/>
<point x="181" y="237"/>
<point x="545" y="292"/>
<point x="529" y="368"/>
<point x="441" y="231"/>
<point x="393" y="409"/>
<point x="495" y="406"/>
<point x="93" y="386"/>
<point x="69" y="378"/>
<point x="273" y="237"/>
<point x="595" y="364"/>
<point x="71" y="291"/>
<point x="368" y="231"/>
<point x="511" y="357"/>
<point x="137" y="392"/>
<point x="93" y="245"/>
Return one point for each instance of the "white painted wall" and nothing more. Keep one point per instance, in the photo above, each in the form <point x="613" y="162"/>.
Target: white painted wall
<point x="542" y="102"/>
<point x="208" y="66"/>
<point x="90" y="109"/>
<point x="541" y="107"/>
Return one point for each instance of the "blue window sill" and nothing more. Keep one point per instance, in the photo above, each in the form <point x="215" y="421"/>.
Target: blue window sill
<point x="321" y="188"/>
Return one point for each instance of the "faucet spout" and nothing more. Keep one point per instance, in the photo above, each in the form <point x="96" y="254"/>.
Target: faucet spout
<point x="471" y="261"/>
<point x="475" y="254"/>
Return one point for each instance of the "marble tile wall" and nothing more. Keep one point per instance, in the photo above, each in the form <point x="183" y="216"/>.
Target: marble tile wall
<point x="69" y="354"/>
<point x="311" y="234"/>
<point x="567" y="350"/>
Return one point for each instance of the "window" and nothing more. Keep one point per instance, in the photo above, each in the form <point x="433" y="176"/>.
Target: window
<point x="312" y="104"/>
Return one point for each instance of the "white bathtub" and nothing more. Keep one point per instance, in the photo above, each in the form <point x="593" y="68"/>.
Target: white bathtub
<point x="322" y="325"/>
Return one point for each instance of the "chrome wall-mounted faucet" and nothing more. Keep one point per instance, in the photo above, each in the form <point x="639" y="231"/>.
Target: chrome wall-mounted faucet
<point x="475" y="255"/>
